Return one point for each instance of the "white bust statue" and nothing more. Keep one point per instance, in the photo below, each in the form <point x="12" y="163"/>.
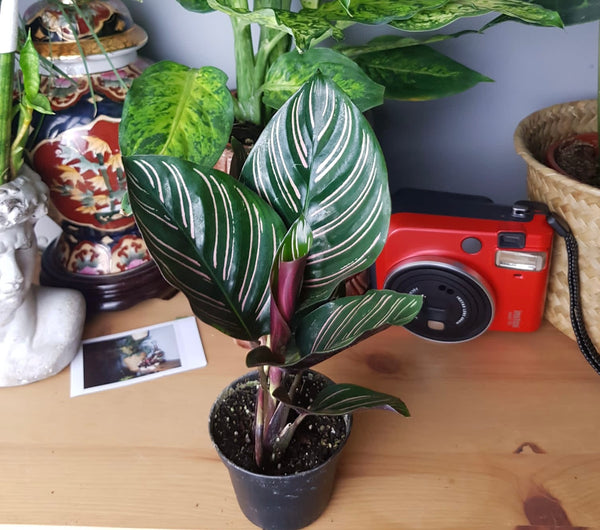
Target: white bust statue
<point x="40" y="327"/>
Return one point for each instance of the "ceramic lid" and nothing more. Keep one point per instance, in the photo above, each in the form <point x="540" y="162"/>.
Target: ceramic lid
<point x="54" y="36"/>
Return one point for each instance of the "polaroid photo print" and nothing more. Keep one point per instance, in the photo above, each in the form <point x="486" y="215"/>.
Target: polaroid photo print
<point x="135" y="356"/>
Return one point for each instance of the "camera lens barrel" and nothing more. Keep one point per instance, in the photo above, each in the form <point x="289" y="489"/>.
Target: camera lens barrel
<point x="458" y="303"/>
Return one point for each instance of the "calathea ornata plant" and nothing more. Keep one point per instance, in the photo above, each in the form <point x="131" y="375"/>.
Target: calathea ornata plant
<point x="264" y="258"/>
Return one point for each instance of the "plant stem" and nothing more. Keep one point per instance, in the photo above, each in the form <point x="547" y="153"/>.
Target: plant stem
<point x="247" y="108"/>
<point x="9" y="19"/>
<point x="7" y="67"/>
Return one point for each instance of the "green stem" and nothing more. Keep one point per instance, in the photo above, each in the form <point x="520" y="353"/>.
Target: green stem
<point x="18" y="145"/>
<point x="7" y="72"/>
<point x="247" y="108"/>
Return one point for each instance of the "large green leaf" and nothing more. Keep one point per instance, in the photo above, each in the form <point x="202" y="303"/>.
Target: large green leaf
<point x="573" y="11"/>
<point x="432" y="19"/>
<point x="174" y="110"/>
<point x="293" y="69"/>
<point x="197" y="6"/>
<point x="212" y="238"/>
<point x="418" y="73"/>
<point x="376" y="11"/>
<point x="385" y="43"/>
<point x="319" y="158"/>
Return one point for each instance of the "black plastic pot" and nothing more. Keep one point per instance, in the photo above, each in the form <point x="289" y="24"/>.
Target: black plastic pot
<point x="281" y="502"/>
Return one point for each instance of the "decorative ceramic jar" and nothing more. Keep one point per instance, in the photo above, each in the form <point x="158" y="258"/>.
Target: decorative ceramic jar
<point x="76" y="150"/>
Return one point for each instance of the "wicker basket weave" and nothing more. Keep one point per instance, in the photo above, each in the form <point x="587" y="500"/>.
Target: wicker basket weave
<point x="577" y="203"/>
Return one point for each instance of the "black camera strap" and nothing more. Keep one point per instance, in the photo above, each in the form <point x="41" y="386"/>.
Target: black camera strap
<point x="581" y="335"/>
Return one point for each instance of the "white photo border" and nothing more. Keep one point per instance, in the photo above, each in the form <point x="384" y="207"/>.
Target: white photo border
<point x="189" y="349"/>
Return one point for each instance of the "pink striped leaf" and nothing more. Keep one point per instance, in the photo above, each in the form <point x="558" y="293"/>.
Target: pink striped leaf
<point x="318" y="158"/>
<point x="344" y="398"/>
<point x="211" y="237"/>
<point x="341" y="323"/>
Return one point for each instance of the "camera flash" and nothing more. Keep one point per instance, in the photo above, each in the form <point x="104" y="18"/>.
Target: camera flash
<point x="522" y="261"/>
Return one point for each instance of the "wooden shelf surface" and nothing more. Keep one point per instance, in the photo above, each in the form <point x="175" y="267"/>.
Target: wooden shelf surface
<point x="504" y="433"/>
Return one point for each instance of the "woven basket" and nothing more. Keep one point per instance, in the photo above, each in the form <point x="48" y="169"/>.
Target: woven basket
<point x="577" y="203"/>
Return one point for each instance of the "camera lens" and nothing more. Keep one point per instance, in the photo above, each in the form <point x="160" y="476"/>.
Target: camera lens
<point x="457" y="304"/>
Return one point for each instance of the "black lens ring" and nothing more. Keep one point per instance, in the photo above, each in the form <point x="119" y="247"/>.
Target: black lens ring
<point x="454" y="294"/>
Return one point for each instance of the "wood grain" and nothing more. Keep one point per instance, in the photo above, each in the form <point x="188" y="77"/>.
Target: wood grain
<point x="503" y="434"/>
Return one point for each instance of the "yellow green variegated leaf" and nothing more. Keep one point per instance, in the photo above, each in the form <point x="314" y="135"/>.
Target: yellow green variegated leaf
<point x="571" y="12"/>
<point x="197" y="6"/>
<point x="385" y="43"/>
<point x="418" y="73"/>
<point x="173" y="110"/>
<point x="293" y="69"/>
<point x="432" y="19"/>
<point x="305" y="26"/>
<point x="376" y="11"/>
<point x="211" y="238"/>
<point x="319" y="158"/>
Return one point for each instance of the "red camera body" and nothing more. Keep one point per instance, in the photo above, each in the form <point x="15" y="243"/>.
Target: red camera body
<point x="479" y="265"/>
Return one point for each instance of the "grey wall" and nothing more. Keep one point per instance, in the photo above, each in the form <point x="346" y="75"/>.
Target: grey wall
<point x="461" y="143"/>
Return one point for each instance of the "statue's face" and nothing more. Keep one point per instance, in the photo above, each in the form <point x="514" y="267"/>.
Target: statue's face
<point x="17" y="266"/>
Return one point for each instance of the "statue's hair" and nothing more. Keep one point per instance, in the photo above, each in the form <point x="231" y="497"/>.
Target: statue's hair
<point x="24" y="198"/>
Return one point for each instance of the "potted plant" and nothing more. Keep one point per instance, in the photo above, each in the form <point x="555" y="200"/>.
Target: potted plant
<point x="544" y="138"/>
<point x="264" y="259"/>
<point x="40" y="328"/>
<point x="269" y="69"/>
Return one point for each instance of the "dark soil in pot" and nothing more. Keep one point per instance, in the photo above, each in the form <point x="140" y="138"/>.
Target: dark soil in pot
<point x="315" y="441"/>
<point x="576" y="157"/>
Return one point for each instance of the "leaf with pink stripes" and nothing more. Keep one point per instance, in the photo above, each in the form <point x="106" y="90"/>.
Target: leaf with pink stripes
<point x="318" y="158"/>
<point x="211" y="237"/>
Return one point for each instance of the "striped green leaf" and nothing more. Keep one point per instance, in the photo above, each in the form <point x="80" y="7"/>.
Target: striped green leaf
<point x="319" y="158"/>
<point x="212" y="238"/>
<point x="344" y="398"/>
<point x="340" y="323"/>
<point x="174" y="110"/>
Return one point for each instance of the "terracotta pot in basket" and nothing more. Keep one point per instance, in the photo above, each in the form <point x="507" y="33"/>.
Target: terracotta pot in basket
<point x="577" y="203"/>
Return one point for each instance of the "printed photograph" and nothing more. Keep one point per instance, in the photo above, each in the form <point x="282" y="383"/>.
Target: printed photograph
<point x="137" y="355"/>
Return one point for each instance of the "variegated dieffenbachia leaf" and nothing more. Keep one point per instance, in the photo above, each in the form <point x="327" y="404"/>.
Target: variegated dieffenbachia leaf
<point x="293" y="69"/>
<point x="197" y="6"/>
<point x="418" y="73"/>
<point x="211" y="237"/>
<point x="173" y="110"/>
<point x="344" y="398"/>
<point x="432" y="19"/>
<point x="318" y="158"/>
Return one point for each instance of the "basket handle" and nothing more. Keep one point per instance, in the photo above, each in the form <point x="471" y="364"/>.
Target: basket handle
<point x="584" y="342"/>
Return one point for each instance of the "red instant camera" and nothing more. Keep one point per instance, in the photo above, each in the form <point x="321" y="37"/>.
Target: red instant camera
<point x="478" y="264"/>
